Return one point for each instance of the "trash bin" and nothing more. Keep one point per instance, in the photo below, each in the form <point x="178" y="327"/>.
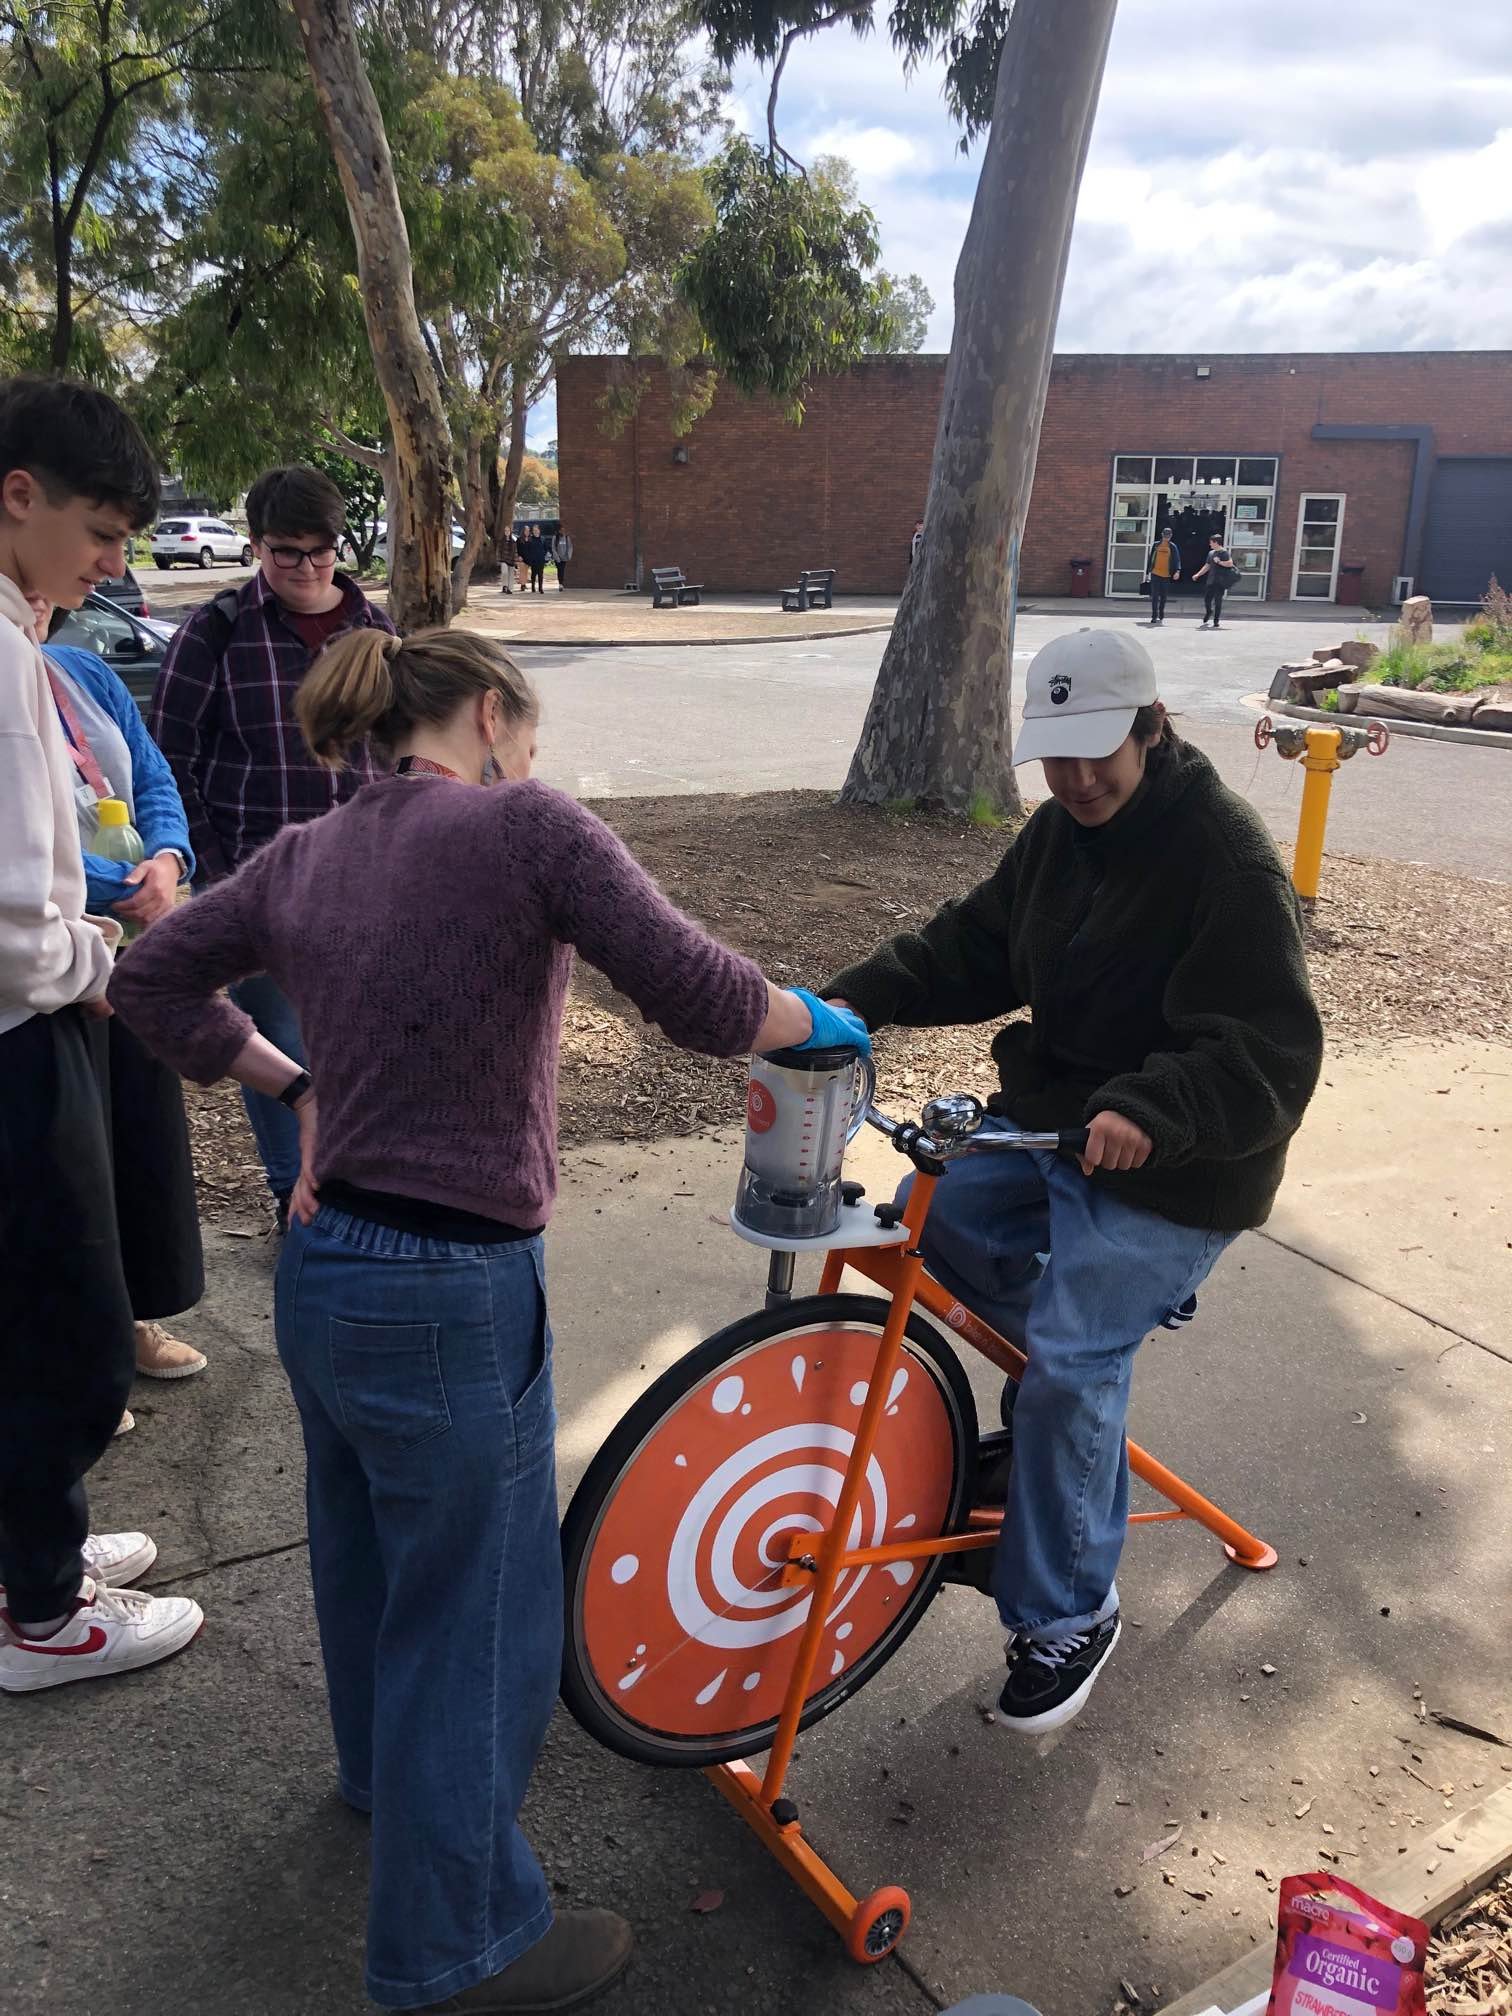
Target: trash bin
<point x="1350" y="592"/>
<point x="1081" y="577"/>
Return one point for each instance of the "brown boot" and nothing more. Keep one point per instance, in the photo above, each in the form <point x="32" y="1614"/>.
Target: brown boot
<point x="582" y="1953"/>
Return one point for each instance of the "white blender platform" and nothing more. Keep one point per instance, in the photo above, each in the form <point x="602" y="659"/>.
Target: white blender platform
<point x="858" y="1227"/>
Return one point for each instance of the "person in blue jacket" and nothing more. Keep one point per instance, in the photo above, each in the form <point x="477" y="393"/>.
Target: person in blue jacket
<point x="156" y="1207"/>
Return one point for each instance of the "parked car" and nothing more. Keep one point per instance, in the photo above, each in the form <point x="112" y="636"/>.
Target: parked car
<point x="199" y="542"/>
<point x="126" y="593"/>
<point x="132" y="646"/>
<point x="380" y="551"/>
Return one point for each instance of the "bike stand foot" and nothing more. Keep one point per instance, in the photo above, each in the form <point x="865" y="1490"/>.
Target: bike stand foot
<point x="1258" y="1563"/>
<point x="871" y="1926"/>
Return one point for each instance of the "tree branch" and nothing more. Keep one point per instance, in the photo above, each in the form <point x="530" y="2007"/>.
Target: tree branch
<point x="354" y="451"/>
<point x="775" y="146"/>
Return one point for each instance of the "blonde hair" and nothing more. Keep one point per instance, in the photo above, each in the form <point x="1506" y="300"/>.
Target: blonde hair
<point x="369" y="685"/>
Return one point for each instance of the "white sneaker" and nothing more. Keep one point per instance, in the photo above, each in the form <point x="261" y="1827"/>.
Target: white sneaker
<point x="108" y="1631"/>
<point x="114" y="1559"/>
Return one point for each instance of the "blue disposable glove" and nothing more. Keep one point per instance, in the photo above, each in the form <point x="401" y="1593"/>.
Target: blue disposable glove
<point x="834" y="1028"/>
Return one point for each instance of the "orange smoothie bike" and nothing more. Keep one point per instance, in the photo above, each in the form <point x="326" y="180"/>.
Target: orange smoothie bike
<point x="773" y="1517"/>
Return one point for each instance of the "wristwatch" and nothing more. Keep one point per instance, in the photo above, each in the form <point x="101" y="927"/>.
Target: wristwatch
<point x="295" y="1090"/>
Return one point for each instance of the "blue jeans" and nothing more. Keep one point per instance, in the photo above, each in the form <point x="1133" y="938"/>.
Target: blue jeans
<point x="1076" y="1278"/>
<point x="422" y="1373"/>
<point x="276" y="1128"/>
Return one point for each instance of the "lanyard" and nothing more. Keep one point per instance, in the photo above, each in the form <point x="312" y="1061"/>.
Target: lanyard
<point x="78" y="742"/>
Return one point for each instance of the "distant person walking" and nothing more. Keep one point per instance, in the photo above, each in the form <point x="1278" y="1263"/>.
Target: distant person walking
<point x="509" y="560"/>
<point x="1220" y="574"/>
<point x="1163" y="570"/>
<point x="533" y="552"/>
<point x="562" y="552"/>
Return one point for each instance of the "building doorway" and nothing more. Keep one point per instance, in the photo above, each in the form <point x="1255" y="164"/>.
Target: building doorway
<point x="1196" y="495"/>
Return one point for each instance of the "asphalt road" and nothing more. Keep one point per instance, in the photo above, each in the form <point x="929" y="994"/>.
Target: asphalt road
<point x="638" y="721"/>
<point x="627" y="721"/>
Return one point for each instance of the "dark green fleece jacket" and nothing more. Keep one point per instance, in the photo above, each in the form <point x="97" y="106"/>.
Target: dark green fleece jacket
<point x="1161" y="959"/>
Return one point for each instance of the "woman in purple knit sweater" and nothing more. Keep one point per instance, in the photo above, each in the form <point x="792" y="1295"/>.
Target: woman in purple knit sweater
<point x="424" y="934"/>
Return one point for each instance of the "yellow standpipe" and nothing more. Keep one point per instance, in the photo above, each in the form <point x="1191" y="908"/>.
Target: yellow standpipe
<point x="1320" y="761"/>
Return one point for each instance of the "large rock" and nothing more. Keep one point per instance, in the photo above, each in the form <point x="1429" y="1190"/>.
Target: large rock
<point x="1495" y="710"/>
<point x="1416" y="625"/>
<point x="1358" y="653"/>
<point x="1307" y="681"/>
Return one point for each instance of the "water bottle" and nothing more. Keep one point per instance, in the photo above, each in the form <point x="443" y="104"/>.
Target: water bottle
<point x="118" y="840"/>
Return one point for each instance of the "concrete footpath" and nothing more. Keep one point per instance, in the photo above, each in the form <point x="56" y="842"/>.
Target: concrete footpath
<point x="174" y="1842"/>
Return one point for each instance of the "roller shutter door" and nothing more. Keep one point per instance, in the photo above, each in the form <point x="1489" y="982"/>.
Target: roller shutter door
<point x="1469" y="533"/>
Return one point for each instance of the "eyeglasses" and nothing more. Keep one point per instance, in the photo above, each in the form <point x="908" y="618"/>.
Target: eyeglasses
<point x="292" y="558"/>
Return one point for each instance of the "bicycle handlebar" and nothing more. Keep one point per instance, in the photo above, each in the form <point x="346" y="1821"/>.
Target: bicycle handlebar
<point x="907" y="1137"/>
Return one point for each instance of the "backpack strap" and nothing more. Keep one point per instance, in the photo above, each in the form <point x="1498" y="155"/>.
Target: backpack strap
<point x="225" y="608"/>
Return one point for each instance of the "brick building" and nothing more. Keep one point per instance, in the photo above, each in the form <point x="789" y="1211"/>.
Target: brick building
<point x="1330" y="476"/>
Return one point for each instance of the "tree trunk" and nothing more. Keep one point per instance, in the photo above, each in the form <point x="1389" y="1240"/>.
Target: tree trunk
<point x="474" y="511"/>
<point x="419" y="534"/>
<point x="515" y="459"/>
<point x="937" y="732"/>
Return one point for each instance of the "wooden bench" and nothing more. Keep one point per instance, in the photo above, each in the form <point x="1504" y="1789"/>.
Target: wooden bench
<point x="815" y="590"/>
<point x="670" y="589"/>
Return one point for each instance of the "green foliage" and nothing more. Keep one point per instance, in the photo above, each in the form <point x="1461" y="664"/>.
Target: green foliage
<point x="908" y="304"/>
<point x="539" y="489"/>
<point x="92" y="103"/>
<point x="781" y="282"/>
<point x="361" y="488"/>
<point x="1444" y="668"/>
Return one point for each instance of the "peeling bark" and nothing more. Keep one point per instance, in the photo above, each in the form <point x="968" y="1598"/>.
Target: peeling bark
<point x="419" y="495"/>
<point x="937" y="730"/>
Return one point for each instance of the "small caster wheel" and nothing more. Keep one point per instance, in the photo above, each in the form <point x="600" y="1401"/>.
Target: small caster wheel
<point x="878" y="1924"/>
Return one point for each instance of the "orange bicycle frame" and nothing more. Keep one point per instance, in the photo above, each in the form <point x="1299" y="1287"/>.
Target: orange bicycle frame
<point x="818" y="1560"/>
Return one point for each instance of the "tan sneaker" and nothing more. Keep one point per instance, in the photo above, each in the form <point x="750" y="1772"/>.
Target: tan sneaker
<point x="161" y="1356"/>
<point x="581" y="1955"/>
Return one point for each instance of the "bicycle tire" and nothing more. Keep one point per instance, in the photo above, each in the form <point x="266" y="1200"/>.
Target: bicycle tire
<point x="931" y="1454"/>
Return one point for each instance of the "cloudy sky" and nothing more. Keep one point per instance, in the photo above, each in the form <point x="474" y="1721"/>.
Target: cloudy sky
<point x="1264" y="175"/>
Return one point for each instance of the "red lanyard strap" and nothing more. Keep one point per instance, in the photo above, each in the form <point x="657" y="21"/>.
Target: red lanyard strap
<point x="78" y="742"/>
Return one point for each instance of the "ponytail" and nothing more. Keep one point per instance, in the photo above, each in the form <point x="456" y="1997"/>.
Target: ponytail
<point x="346" y="693"/>
<point x="370" y="685"/>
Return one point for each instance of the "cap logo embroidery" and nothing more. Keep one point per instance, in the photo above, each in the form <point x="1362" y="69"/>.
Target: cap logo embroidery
<point x="1060" y="689"/>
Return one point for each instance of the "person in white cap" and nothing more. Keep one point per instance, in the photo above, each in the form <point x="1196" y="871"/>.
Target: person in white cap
<point x="1144" y="918"/>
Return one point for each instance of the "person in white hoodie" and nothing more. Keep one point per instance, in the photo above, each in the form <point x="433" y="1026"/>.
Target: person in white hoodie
<point x="76" y="479"/>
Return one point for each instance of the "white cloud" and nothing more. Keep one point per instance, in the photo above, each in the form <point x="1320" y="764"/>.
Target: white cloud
<point x="1280" y="177"/>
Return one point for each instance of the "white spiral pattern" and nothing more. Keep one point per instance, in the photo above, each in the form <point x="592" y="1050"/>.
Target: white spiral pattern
<point x="738" y="1617"/>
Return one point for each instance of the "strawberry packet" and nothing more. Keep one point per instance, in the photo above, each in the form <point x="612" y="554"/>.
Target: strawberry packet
<point x="1340" y="1953"/>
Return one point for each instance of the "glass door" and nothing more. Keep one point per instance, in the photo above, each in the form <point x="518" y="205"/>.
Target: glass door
<point x="1320" y="528"/>
<point x="1249" y="536"/>
<point x="1130" y="525"/>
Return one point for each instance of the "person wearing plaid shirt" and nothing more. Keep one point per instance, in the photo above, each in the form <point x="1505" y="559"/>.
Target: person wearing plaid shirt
<point x="223" y="715"/>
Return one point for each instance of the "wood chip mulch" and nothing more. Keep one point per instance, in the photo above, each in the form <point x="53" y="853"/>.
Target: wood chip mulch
<point x="803" y="885"/>
<point x="1470" y="1957"/>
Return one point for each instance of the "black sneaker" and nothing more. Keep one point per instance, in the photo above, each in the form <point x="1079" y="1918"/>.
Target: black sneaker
<point x="1049" y="1679"/>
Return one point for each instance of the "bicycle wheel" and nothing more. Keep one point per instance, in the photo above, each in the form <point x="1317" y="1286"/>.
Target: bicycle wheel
<point x="679" y="1634"/>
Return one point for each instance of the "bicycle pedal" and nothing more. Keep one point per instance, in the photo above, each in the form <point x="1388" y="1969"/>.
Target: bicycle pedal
<point x="971" y="1569"/>
<point x="994" y="1461"/>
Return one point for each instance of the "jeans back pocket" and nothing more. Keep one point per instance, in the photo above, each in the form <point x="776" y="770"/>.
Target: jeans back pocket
<point x="388" y="1380"/>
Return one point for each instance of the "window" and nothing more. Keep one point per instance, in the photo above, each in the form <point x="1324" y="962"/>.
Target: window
<point x="1320" y="527"/>
<point x="1131" y="469"/>
<point x="1215" y="468"/>
<point x="170" y="526"/>
<point x="1172" y="469"/>
<point x="103" y="631"/>
<point x="1259" y="471"/>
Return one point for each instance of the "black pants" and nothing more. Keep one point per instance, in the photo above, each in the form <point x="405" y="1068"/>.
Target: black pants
<point x="561" y="574"/>
<point x="538" y="580"/>
<point x="1158" y="592"/>
<point x="1212" y="604"/>
<point x="67" y="1354"/>
<point x="157" y="1212"/>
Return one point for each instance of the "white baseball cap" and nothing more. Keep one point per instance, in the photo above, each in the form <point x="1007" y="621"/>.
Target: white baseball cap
<point x="1081" y="694"/>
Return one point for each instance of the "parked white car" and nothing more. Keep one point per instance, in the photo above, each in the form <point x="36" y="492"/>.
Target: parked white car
<point x="458" y="541"/>
<point x="198" y="542"/>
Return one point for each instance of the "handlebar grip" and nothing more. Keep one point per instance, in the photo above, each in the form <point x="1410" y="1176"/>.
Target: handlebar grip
<point x="1074" y="1140"/>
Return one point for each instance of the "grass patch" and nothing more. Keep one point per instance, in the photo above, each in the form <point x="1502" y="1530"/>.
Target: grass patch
<point x="1483" y="656"/>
